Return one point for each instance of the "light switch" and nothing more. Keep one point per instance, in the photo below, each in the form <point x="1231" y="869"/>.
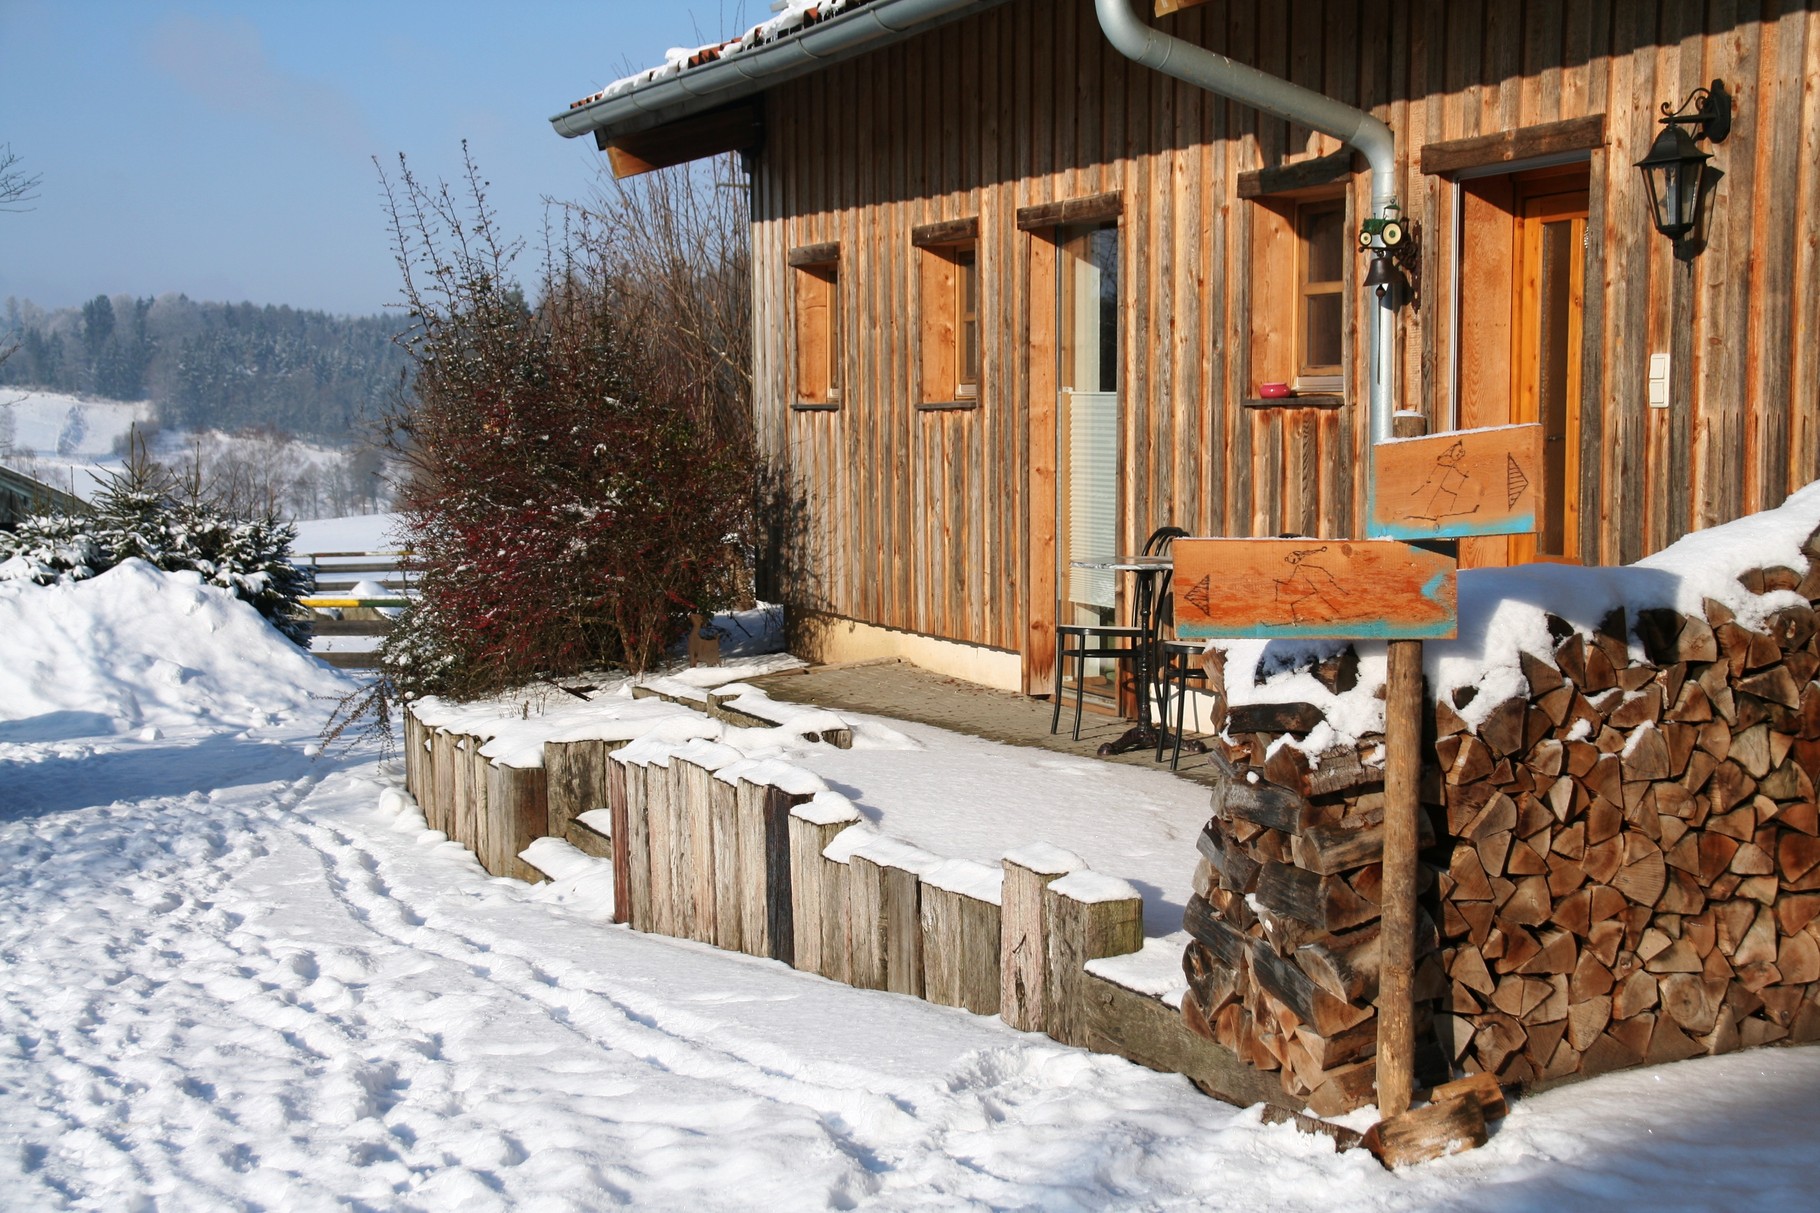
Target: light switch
<point x="1658" y="381"/>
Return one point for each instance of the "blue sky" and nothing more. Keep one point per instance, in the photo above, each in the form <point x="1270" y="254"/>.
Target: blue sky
<point x="225" y="150"/>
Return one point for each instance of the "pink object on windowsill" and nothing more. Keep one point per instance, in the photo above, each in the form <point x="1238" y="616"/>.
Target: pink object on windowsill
<point x="1273" y="391"/>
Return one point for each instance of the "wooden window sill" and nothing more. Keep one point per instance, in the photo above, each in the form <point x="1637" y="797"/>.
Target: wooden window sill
<point x="823" y="406"/>
<point x="948" y="406"/>
<point x="1301" y="400"/>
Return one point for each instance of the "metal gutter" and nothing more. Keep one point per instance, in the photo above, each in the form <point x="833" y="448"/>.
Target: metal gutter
<point x="1228" y="78"/>
<point x="745" y="72"/>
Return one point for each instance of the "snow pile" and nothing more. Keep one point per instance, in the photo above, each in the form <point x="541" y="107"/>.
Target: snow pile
<point x="1504" y="613"/>
<point x="143" y="649"/>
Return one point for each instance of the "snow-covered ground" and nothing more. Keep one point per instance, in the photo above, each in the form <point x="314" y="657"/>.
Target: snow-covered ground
<point x="235" y="977"/>
<point x="357" y="533"/>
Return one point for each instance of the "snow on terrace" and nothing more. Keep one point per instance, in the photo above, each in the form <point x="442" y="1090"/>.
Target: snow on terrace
<point x="1504" y="613"/>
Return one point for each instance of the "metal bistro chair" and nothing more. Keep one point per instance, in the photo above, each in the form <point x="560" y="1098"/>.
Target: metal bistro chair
<point x="1080" y="641"/>
<point x="1179" y="669"/>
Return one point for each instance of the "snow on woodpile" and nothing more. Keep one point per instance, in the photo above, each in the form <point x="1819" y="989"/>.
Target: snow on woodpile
<point x="1505" y="613"/>
<point x="136" y="648"/>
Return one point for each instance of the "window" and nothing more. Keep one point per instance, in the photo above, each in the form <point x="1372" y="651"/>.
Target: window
<point x="1301" y="250"/>
<point x="818" y="325"/>
<point x="949" y="325"/>
<point x="1320" y="267"/>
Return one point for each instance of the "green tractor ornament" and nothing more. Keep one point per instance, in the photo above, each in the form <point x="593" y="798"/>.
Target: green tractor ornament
<point x="1386" y="228"/>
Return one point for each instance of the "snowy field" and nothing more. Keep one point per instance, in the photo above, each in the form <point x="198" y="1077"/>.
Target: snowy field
<point x="235" y="977"/>
<point x="73" y="443"/>
<point x="357" y="533"/>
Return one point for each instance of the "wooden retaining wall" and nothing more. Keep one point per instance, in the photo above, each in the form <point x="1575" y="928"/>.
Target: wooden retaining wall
<point x="1623" y="868"/>
<point x="709" y="846"/>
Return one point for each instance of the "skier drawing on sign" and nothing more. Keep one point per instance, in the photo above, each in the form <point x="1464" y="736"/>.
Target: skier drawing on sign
<point x="1449" y="486"/>
<point x="1311" y="593"/>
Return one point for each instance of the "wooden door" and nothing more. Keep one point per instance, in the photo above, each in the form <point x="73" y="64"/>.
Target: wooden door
<point x="1547" y="321"/>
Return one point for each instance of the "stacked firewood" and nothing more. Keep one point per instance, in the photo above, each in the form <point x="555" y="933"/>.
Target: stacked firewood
<point x="1283" y="963"/>
<point x="1623" y="865"/>
<point x="1636" y="871"/>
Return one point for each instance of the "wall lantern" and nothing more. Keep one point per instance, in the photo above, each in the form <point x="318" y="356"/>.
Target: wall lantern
<point x="1674" y="172"/>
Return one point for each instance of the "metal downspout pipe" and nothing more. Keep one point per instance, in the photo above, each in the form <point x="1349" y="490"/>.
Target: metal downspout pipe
<point x="1217" y="74"/>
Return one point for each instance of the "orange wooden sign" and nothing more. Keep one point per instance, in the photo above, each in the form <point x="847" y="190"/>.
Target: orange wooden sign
<point x="1313" y="589"/>
<point x="1456" y="485"/>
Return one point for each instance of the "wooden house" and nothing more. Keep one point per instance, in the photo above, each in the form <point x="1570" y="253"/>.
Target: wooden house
<point x="1016" y="293"/>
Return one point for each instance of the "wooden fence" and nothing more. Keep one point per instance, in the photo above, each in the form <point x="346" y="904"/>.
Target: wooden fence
<point x="755" y="857"/>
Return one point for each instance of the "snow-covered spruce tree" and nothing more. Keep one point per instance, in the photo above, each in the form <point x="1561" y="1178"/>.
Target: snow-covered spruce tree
<point x="145" y="513"/>
<point x="567" y="508"/>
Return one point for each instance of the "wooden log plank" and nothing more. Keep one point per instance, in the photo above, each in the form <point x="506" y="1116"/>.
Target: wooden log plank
<point x="867" y="935"/>
<point x="620" y="808"/>
<point x="1023" y="955"/>
<point x="576" y="775"/>
<point x="475" y="817"/>
<point x="776" y="807"/>
<point x="518" y="814"/>
<point x="641" y="903"/>
<point x="1084" y="918"/>
<point x="836" y="921"/>
<point x="961" y="937"/>
<point x="1147" y="1031"/>
<point x="811" y="827"/>
<point x="728" y="873"/>
<point x="660" y="839"/>
<point x="694" y="868"/>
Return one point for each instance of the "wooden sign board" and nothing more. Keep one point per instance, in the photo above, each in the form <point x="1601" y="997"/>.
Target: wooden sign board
<point x="1456" y="485"/>
<point x="1312" y="589"/>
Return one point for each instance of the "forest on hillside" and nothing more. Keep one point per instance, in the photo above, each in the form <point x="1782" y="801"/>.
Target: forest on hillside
<point x="222" y="366"/>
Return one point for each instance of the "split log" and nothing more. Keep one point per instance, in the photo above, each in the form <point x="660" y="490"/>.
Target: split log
<point x="1431" y="1131"/>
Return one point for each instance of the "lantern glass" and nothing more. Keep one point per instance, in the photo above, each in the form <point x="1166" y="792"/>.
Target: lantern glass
<point x="1672" y="173"/>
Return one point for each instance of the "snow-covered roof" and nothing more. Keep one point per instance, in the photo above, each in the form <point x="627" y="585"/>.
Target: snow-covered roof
<point x="793" y="16"/>
<point x="801" y="37"/>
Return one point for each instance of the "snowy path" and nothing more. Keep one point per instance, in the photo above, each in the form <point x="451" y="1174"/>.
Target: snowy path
<point x="245" y="984"/>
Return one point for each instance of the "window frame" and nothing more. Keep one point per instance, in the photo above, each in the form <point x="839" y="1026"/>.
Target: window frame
<point x="948" y="262"/>
<point x="1326" y="377"/>
<point x="816" y="300"/>
<point x="966" y="320"/>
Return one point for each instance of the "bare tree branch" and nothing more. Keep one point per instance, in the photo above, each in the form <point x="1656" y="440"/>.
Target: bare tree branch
<point x="17" y="186"/>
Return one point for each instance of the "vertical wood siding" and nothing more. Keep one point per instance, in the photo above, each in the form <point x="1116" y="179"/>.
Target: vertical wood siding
<point x="937" y="522"/>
